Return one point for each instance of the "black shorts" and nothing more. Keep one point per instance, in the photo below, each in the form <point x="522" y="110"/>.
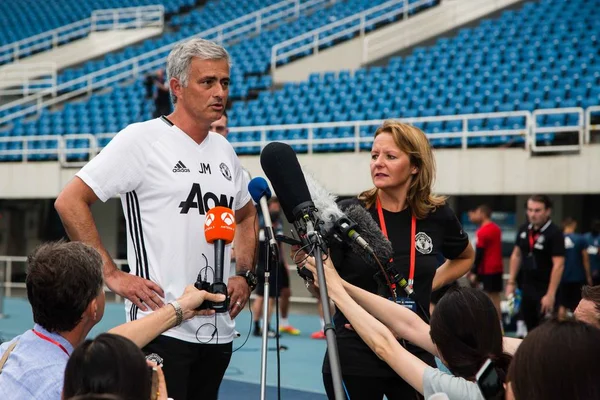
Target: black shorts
<point x="569" y="294"/>
<point x="492" y="283"/>
<point x="278" y="280"/>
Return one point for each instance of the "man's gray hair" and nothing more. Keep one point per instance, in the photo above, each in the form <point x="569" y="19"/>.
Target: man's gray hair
<point x="180" y="58"/>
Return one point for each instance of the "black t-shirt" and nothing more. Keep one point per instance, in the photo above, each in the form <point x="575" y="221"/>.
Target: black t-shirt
<point x="536" y="262"/>
<point x="443" y="237"/>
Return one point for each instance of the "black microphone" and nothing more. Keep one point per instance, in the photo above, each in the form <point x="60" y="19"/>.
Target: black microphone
<point x="280" y="163"/>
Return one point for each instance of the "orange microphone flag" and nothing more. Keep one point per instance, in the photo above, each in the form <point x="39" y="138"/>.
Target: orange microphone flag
<point x="219" y="225"/>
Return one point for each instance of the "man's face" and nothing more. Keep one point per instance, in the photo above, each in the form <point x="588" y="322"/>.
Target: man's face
<point x="586" y="312"/>
<point x="537" y="213"/>
<point x="206" y="93"/>
<point x="475" y="216"/>
<point x="220" y="126"/>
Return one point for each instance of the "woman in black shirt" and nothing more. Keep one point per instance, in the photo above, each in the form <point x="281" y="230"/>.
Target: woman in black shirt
<point x="401" y="203"/>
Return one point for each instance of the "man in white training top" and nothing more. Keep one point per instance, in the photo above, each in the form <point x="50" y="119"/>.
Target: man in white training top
<point x="169" y="172"/>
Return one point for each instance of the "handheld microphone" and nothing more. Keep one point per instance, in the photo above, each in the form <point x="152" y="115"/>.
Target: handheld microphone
<point x="260" y="192"/>
<point x="219" y="229"/>
<point x="280" y="163"/>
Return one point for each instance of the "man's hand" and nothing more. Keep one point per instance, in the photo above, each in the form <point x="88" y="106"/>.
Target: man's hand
<point x="239" y="293"/>
<point x="138" y="290"/>
<point x="192" y="298"/>
<point x="547" y="303"/>
<point x="509" y="290"/>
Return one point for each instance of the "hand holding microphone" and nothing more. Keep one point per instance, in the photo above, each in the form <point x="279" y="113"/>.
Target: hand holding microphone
<point x="219" y="229"/>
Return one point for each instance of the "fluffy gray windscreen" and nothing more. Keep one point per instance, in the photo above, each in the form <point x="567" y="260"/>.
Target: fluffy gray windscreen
<point x="327" y="209"/>
<point x="369" y="231"/>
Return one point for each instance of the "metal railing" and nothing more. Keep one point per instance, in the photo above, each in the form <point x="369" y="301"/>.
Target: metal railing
<point x="70" y="155"/>
<point x="26" y="78"/>
<point x="252" y="23"/>
<point x="579" y="129"/>
<point x="588" y="122"/>
<point x="7" y="270"/>
<point x="351" y="25"/>
<point x="100" y="20"/>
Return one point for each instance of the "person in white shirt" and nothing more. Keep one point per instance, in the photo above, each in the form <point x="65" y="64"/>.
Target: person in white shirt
<point x="169" y="172"/>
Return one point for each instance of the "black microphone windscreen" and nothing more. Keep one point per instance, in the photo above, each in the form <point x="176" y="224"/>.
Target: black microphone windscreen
<point x="280" y="163"/>
<point x="369" y="231"/>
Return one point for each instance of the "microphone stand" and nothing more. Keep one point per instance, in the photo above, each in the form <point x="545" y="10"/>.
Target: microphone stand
<point x="332" y="349"/>
<point x="271" y="259"/>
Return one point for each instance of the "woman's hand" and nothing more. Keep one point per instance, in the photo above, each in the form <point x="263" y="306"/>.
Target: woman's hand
<point x="333" y="279"/>
<point x="159" y="388"/>
<point x="299" y="257"/>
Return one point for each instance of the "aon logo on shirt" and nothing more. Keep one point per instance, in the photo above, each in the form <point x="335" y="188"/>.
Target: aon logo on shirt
<point x="204" y="201"/>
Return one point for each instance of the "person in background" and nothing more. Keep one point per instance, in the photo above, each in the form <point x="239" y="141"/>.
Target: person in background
<point x="162" y="99"/>
<point x="577" y="268"/>
<point x="593" y="239"/>
<point x="279" y="280"/>
<point x="539" y="254"/>
<point x="220" y="126"/>
<point x="488" y="267"/>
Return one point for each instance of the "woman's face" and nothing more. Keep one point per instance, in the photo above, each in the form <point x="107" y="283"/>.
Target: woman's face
<point x="390" y="166"/>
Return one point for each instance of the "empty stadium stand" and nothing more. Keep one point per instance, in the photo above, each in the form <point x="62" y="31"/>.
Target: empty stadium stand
<point x="545" y="55"/>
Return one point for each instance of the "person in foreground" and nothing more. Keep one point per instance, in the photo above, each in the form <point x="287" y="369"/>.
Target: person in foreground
<point x="463" y="340"/>
<point x="66" y="292"/>
<point x="558" y="360"/>
<point x="112" y="364"/>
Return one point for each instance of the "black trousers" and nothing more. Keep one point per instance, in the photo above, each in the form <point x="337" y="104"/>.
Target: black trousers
<point x="192" y="370"/>
<point x="531" y="307"/>
<point x="372" y="388"/>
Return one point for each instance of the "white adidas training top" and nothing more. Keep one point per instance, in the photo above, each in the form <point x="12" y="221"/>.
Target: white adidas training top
<point x="167" y="182"/>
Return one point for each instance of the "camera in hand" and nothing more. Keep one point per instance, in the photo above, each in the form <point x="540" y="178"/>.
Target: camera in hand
<point x="219" y="229"/>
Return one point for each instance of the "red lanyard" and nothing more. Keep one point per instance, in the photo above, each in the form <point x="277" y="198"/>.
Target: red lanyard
<point x="54" y="342"/>
<point x="532" y="239"/>
<point x="413" y="233"/>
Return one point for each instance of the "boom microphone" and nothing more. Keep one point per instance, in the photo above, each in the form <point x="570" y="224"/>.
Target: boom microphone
<point x="280" y="163"/>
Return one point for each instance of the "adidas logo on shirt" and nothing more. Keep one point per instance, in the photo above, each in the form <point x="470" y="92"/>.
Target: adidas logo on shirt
<point x="180" y="167"/>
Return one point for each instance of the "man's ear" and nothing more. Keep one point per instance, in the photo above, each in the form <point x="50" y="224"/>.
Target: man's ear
<point x="175" y="87"/>
<point x="92" y="309"/>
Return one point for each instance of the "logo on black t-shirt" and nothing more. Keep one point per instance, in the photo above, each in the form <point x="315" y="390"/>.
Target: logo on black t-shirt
<point x="423" y="243"/>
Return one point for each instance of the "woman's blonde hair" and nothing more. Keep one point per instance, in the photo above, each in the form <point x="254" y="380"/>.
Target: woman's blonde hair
<point x="413" y="142"/>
